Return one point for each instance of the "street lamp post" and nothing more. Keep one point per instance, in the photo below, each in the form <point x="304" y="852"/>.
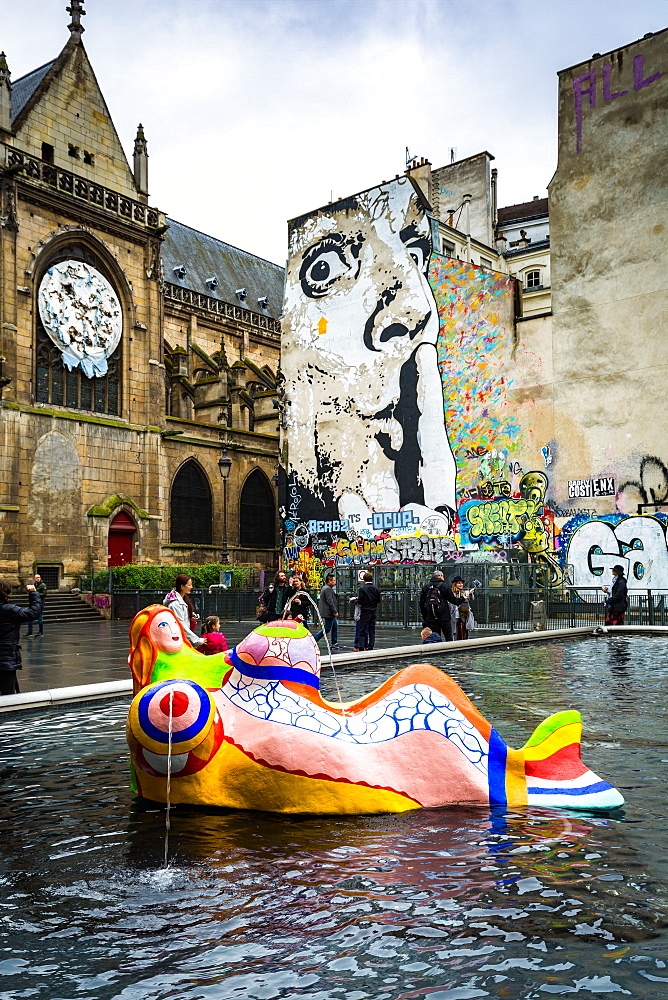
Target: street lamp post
<point x="225" y="464"/>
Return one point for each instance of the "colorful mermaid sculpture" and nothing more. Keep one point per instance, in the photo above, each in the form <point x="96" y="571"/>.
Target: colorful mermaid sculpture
<point x="248" y="729"/>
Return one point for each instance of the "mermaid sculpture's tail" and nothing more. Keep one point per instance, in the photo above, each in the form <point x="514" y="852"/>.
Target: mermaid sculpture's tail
<point x="555" y="774"/>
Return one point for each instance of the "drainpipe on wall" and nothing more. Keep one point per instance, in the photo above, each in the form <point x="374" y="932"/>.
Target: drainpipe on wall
<point x="467" y="225"/>
<point x="495" y="214"/>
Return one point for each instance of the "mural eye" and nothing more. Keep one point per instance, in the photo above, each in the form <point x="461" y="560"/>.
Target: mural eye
<point x="419" y="250"/>
<point x="321" y="266"/>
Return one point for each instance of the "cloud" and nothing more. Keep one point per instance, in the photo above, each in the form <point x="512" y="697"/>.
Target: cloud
<point x="257" y="111"/>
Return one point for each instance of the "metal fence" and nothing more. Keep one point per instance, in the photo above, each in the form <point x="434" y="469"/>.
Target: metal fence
<point x="511" y="610"/>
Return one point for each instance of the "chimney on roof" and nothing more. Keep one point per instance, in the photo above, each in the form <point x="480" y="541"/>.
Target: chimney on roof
<point x="141" y="161"/>
<point x="535" y="197"/>
<point x="5" y="96"/>
<point x="420" y="171"/>
<point x="523" y="240"/>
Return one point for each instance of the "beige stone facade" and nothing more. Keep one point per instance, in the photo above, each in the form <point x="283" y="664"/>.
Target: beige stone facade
<point x="75" y="452"/>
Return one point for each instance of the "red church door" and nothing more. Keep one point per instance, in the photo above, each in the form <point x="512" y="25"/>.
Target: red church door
<point x="121" y="534"/>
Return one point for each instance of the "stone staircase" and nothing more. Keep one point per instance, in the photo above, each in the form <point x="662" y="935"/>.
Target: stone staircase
<point x="61" y="608"/>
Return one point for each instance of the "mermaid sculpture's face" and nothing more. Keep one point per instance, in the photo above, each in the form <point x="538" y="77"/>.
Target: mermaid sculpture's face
<point x="165" y="632"/>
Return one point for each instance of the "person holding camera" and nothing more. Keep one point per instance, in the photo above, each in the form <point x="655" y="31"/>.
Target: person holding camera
<point x="11" y="618"/>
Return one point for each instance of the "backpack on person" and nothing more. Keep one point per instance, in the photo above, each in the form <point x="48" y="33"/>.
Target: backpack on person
<point x="434" y="602"/>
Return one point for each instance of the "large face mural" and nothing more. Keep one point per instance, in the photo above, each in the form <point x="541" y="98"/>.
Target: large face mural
<point x="365" y="417"/>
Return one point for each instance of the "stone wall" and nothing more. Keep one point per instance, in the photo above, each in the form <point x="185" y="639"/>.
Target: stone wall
<point x="609" y="223"/>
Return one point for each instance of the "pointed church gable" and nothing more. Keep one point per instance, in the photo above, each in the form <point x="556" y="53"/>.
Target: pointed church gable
<point x="66" y="110"/>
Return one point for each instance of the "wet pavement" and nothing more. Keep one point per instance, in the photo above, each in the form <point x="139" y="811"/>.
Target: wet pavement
<point x="97" y="651"/>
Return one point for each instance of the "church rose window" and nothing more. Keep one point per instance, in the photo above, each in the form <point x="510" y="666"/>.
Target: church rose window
<point x="191" y="507"/>
<point x="79" y="328"/>
<point x="257" y="513"/>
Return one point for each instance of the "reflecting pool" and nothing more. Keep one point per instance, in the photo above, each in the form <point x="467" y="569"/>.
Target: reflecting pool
<point x="451" y="903"/>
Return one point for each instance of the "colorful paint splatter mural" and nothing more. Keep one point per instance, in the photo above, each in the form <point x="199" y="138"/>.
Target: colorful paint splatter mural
<point x="474" y="346"/>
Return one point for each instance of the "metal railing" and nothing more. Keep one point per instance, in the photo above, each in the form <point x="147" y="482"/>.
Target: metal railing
<point x="494" y="610"/>
<point x="33" y="169"/>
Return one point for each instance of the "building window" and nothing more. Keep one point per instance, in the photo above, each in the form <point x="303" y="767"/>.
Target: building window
<point x="58" y="386"/>
<point x="50" y="575"/>
<point x="532" y="279"/>
<point x="191" y="507"/>
<point x="485" y="263"/>
<point x="88" y="158"/>
<point x="257" y="513"/>
<point x="73" y="151"/>
<point x="448" y="248"/>
<point x="47" y="152"/>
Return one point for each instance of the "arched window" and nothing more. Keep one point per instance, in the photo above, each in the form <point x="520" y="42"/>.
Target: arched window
<point x="191" y="509"/>
<point x="257" y="513"/>
<point x="533" y="279"/>
<point x="74" y="384"/>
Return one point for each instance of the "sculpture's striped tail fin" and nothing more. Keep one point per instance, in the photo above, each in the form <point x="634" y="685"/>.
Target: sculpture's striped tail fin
<point x="555" y="774"/>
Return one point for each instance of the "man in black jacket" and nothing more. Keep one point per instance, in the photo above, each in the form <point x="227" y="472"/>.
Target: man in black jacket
<point x="616" y="600"/>
<point x="368" y="599"/>
<point x="11" y="619"/>
<point x="435" y="599"/>
<point x="40" y="587"/>
<point x="275" y="597"/>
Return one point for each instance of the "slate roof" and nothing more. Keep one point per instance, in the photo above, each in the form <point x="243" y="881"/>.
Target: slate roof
<point x="25" y="86"/>
<point x="206" y="257"/>
<point x="535" y="209"/>
<point x="531" y="248"/>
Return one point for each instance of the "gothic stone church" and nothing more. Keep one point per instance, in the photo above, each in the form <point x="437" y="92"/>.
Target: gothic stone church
<point x="132" y="349"/>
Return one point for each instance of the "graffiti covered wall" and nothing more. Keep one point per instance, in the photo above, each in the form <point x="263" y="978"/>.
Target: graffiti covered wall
<point x="399" y="366"/>
<point x="422" y="423"/>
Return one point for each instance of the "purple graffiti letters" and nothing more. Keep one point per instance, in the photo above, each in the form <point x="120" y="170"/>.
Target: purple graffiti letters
<point x="584" y="86"/>
<point x="607" y="93"/>
<point x="639" y="73"/>
<point x="580" y="92"/>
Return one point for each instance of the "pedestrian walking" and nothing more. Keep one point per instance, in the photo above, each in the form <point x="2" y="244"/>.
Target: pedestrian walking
<point x="328" y="606"/>
<point x="178" y="601"/>
<point x="368" y="599"/>
<point x="11" y="619"/>
<point x="40" y="587"/>
<point x="616" y="601"/>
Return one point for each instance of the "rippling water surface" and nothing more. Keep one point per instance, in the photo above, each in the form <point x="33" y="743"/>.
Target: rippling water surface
<point x="439" y="904"/>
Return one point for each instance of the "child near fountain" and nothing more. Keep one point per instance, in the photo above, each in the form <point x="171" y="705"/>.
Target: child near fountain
<point x="214" y="640"/>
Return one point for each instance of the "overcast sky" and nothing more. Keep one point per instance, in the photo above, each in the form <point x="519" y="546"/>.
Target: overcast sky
<point x="258" y="110"/>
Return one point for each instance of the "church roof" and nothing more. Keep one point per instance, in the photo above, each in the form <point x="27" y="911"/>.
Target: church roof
<point x="205" y="257"/>
<point x="25" y="87"/>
